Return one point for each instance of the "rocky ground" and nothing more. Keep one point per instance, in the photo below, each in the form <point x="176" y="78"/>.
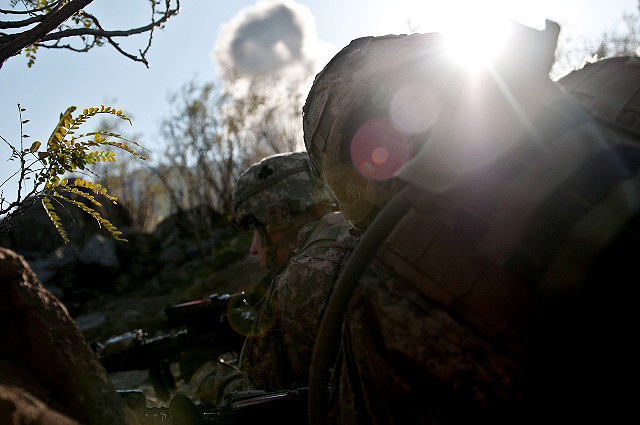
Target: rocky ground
<point x="111" y="287"/>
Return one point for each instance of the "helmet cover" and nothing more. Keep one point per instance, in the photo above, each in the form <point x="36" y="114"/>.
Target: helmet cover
<point x="274" y="189"/>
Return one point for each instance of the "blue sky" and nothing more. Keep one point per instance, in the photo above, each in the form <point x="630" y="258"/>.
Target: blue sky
<point x="183" y="51"/>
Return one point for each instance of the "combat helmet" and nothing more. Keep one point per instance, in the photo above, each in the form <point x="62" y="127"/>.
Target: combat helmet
<point x="273" y="190"/>
<point x="380" y="99"/>
<point x="392" y="84"/>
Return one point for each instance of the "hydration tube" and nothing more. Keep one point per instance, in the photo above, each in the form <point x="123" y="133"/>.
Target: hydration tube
<point x="329" y="333"/>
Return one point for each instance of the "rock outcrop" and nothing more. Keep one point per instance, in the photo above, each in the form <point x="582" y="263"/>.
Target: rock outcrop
<point x="18" y="407"/>
<point x="47" y="370"/>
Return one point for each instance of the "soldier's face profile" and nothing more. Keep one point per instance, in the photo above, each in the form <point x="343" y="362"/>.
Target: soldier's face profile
<point x="259" y="248"/>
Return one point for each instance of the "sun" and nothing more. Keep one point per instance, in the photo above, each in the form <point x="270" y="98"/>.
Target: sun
<point x="475" y="31"/>
<point x="476" y="38"/>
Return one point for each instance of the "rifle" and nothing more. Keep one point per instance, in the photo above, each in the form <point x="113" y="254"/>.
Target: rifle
<point x="211" y="326"/>
<point x="286" y="407"/>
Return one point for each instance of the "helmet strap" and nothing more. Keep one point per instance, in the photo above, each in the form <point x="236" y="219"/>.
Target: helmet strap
<point x="270" y="260"/>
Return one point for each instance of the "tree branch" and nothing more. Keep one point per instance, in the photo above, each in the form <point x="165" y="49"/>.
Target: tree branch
<point x="20" y="24"/>
<point x="51" y="21"/>
<point x="57" y="45"/>
<point x="99" y="32"/>
<point x="30" y="11"/>
<point x="52" y="28"/>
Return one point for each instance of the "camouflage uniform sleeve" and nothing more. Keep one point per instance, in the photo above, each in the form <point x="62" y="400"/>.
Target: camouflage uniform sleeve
<point x="303" y="303"/>
<point x="280" y="353"/>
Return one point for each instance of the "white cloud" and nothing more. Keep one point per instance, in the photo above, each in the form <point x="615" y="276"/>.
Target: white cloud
<point x="268" y="38"/>
<point x="271" y="49"/>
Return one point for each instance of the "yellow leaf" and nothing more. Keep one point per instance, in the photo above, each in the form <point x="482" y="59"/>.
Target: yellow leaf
<point x="34" y="147"/>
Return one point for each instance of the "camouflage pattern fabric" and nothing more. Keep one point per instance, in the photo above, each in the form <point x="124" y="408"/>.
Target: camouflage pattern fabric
<point x="609" y="89"/>
<point x="363" y="77"/>
<point x="275" y="188"/>
<point x="504" y="294"/>
<point x="278" y="352"/>
<point x="216" y="378"/>
<point x="405" y="357"/>
<point x="508" y="310"/>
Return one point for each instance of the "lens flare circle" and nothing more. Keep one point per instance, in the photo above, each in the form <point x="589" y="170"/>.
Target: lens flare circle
<point x="379" y="150"/>
<point x="380" y="155"/>
<point x="242" y="317"/>
<point x="414" y="108"/>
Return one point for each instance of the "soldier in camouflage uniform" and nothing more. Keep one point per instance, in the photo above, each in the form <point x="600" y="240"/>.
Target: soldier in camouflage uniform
<point x="499" y="294"/>
<point x="302" y="242"/>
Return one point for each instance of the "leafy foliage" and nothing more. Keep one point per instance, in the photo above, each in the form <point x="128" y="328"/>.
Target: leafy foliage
<point x="65" y="152"/>
<point x="139" y="191"/>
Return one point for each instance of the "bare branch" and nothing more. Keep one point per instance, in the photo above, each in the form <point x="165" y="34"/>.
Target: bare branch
<point x="104" y="33"/>
<point x="57" y="45"/>
<point x="20" y="24"/>
<point x="30" y="11"/>
<point x="99" y="32"/>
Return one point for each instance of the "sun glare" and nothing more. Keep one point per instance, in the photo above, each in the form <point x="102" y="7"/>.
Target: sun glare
<point x="475" y="30"/>
<point x="475" y="42"/>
